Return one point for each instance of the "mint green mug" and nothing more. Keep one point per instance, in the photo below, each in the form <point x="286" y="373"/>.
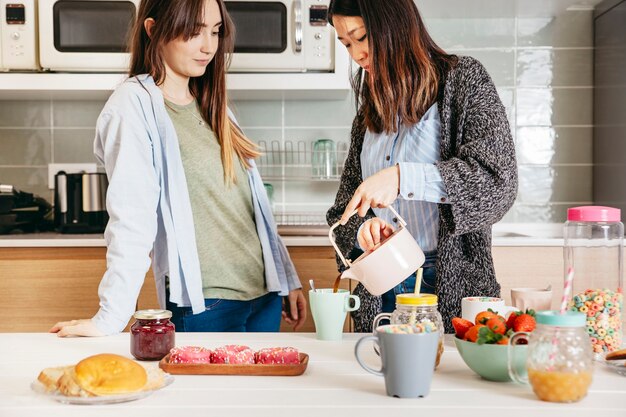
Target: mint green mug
<point x="329" y="311"/>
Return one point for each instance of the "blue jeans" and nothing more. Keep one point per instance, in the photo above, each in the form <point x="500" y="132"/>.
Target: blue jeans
<point x="262" y="314"/>
<point x="429" y="281"/>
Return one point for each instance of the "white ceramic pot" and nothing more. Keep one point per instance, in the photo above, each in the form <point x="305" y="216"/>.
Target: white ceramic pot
<point x="386" y="266"/>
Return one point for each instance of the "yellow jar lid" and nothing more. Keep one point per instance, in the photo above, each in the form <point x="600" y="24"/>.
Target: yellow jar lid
<point x="416" y="299"/>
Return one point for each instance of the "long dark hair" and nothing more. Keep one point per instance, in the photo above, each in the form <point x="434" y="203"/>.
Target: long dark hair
<point x="407" y="66"/>
<point x="183" y="19"/>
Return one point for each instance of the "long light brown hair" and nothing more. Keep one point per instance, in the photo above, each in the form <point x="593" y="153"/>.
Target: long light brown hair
<point x="183" y="19"/>
<point x="407" y="67"/>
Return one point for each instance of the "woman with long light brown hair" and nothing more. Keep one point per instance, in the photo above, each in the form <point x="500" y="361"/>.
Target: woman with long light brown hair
<point x="432" y="139"/>
<point x="183" y="187"/>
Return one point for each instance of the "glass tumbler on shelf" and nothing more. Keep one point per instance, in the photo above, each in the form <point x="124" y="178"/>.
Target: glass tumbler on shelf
<point x="416" y="309"/>
<point x="593" y="255"/>
<point x="324" y="159"/>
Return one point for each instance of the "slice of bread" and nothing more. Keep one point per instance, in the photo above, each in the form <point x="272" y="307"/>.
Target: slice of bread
<point x="50" y="377"/>
<point x="617" y="355"/>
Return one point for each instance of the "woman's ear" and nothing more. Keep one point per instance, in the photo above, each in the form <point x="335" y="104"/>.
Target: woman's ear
<point x="148" y="24"/>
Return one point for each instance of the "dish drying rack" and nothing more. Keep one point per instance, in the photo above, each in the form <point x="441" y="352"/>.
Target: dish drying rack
<point x="301" y="224"/>
<point x="293" y="160"/>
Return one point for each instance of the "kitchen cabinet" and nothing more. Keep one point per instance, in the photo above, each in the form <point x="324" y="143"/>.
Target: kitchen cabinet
<point x="44" y="285"/>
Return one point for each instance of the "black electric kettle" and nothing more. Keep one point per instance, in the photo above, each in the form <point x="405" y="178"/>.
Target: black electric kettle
<point x="80" y="202"/>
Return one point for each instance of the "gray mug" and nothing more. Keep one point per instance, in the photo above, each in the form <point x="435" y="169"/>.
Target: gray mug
<point x="408" y="361"/>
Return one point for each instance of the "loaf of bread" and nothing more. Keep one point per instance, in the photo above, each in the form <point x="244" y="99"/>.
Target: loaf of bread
<point x="99" y="375"/>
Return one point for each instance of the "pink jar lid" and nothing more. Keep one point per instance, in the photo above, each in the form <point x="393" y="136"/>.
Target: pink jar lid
<point x="593" y="214"/>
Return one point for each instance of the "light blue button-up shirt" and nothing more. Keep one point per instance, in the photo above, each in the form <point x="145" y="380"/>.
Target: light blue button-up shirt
<point x="415" y="149"/>
<point x="150" y="212"/>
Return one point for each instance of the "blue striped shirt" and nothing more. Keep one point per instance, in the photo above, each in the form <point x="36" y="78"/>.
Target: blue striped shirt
<point x="416" y="149"/>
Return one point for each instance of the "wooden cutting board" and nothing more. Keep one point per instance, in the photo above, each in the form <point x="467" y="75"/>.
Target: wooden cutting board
<point x="234" y="369"/>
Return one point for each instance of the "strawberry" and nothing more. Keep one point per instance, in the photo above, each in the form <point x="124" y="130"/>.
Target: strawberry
<point x="483" y="316"/>
<point x="496" y="324"/>
<point x="524" y="323"/>
<point x="503" y="341"/>
<point x="488" y="336"/>
<point x="511" y="319"/>
<point x="472" y="333"/>
<point x="461" y="326"/>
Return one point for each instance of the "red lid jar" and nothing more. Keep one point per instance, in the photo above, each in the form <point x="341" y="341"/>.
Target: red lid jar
<point x="152" y="335"/>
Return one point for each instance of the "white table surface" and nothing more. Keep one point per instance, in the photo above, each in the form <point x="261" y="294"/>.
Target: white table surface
<point x="333" y="384"/>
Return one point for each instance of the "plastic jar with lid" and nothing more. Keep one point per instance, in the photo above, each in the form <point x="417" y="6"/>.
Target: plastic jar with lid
<point x="416" y="309"/>
<point x="559" y="357"/>
<point x="152" y="335"/>
<point x="593" y="254"/>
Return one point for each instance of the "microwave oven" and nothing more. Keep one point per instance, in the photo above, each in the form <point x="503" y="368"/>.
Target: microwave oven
<point x="92" y="35"/>
<point x="85" y="35"/>
<point x="18" y="35"/>
<point x="281" y="36"/>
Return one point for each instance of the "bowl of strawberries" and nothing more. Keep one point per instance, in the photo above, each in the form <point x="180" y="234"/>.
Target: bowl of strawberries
<point x="484" y="344"/>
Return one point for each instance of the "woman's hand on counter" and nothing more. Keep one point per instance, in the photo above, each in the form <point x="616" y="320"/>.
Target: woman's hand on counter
<point x="84" y="327"/>
<point x="294" y="309"/>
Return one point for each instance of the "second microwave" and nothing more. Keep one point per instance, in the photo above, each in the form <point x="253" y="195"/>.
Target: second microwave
<point x="281" y="36"/>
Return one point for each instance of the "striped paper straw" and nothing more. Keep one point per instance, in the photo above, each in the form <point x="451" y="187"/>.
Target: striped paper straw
<point x="567" y="289"/>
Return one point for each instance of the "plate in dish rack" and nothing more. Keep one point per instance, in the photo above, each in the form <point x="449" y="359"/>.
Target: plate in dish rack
<point x="38" y="387"/>
<point x="618" y="366"/>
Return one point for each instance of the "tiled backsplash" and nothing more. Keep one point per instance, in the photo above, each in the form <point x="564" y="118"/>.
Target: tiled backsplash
<point x="541" y="66"/>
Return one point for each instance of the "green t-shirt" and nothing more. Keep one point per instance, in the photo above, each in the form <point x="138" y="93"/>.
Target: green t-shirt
<point x="231" y="259"/>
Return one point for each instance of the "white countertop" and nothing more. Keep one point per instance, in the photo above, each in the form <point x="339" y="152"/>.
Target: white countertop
<point x="333" y="384"/>
<point x="96" y="240"/>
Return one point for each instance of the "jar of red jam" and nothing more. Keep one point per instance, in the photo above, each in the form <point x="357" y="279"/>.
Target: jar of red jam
<point x="152" y="335"/>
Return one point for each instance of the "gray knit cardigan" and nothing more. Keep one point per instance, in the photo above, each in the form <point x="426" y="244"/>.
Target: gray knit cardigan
<point x="479" y="171"/>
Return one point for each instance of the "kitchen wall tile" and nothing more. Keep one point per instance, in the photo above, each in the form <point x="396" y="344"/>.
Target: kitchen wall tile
<point x="76" y="113"/>
<point x="555" y="67"/>
<point x="266" y="135"/>
<point x="546" y="106"/>
<point x="310" y="196"/>
<point x="25" y="113"/>
<point x="320" y="113"/>
<point x="472" y="33"/>
<point x="500" y="64"/>
<point x="73" y="145"/>
<point x="310" y="135"/>
<point x="507" y="96"/>
<point x="546" y="184"/>
<point x="569" y="29"/>
<point x="538" y="213"/>
<point x="258" y="113"/>
<point x="554" y="145"/>
<point x="24" y="147"/>
<point x="31" y="180"/>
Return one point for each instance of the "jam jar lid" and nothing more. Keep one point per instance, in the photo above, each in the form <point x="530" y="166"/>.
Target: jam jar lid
<point x="416" y="299"/>
<point x="152" y="314"/>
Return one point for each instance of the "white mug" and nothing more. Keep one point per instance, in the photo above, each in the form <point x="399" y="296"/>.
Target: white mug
<point x="471" y="306"/>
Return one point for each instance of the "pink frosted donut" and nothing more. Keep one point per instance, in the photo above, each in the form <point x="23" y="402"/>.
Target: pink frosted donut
<point x="232" y="354"/>
<point x="278" y="355"/>
<point x="190" y="354"/>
